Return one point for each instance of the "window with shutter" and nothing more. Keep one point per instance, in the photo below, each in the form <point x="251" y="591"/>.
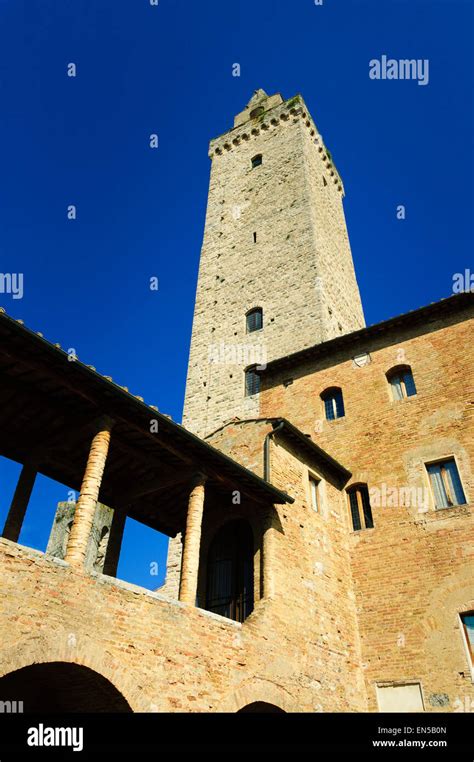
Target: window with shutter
<point x="254" y="319"/>
<point x="467" y="621"/>
<point x="359" y="504"/>
<point x="401" y="382"/>
<point x="446" y="484"/>
<point x="252" y="382"/>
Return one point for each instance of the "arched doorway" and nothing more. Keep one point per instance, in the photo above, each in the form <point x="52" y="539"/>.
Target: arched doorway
<point x="259" y="707"/>
<point x="230" y="571"/>
<point x="61" y="687"/>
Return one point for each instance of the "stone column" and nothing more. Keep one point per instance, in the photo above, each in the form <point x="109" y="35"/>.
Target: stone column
<point x="192" y="543"/>
<point x="269" y="533"/>
<point x="19" y="504"/>
<point x="85" y="507"/>
<point x="114" y="544"/>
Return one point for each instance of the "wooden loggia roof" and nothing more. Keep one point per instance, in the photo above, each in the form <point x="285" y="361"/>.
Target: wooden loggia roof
<point x="50" y="407"/>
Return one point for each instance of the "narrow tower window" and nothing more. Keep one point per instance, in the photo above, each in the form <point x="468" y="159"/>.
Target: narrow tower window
<point x="252" y="382"/>
<point x="333" y="403"/>
<point x="255" y="238"/>
<point x="359" y="503"/>
<point x="314" y="492"/>
<point x="254" y="319"/>
<point x="257" y="160"/>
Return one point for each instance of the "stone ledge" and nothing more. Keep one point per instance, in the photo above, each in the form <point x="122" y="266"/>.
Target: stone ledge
<point x="104" y="579"/>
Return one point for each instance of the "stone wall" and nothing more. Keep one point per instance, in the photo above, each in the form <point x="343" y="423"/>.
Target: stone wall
<point x="275" y="238"/>
<point x="99" y="536"/>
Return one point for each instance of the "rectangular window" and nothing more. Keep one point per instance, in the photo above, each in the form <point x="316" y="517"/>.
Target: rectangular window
<point x="446" y="484"/>
<point x="314" y="491"/>
<point x="252" y="383"/>
<point x="467" y="621"/>
<point x="354" y="511"/>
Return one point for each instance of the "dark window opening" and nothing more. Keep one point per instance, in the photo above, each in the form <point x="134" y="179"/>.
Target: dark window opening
<point x="359" y="504"/>
<point x="257" y="160"/>
<point x="258" y="111"/>
<point x="254" y="320"/>
<point x="252" y="382"/>
<point x="333" y="404"/>
<point x="230" y="579"/>
<point x="255" y="238"/>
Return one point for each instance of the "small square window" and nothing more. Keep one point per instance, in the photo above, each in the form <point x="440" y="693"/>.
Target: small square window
<point x="257" y="160"/>
<point x="446" y="484"/>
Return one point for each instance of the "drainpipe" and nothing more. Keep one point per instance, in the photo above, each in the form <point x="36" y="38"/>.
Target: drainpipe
<point x="266" y="451"/>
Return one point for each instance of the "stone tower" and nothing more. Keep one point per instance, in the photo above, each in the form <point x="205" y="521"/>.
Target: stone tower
<point x="275" y="239"/>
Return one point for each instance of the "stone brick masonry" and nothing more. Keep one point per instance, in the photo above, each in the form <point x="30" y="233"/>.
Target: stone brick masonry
<point x="298" y="268"/>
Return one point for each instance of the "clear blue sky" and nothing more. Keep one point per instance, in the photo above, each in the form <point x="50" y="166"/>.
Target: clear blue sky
<point x="140" y="212"/>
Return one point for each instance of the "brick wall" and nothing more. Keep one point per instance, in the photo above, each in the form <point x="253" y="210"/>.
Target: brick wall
<point x="296" y="650"/>
<point x="414" y="572"/>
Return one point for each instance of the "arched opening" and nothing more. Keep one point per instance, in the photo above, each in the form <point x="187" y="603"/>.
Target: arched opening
<point x="401" y="382"/>
<point x="360" y="508"/>
<point x="333" y="403"/>
<point x="230" y="583"/>
<point x="61" y="687"/>
<point x="259" y="707"/>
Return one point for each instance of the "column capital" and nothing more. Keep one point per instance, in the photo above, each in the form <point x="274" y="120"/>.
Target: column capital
<point x="198" y="479"/>
<point x="104" y="423"/>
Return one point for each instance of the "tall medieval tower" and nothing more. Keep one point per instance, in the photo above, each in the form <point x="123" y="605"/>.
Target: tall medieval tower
<point x="275" y="243"/>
